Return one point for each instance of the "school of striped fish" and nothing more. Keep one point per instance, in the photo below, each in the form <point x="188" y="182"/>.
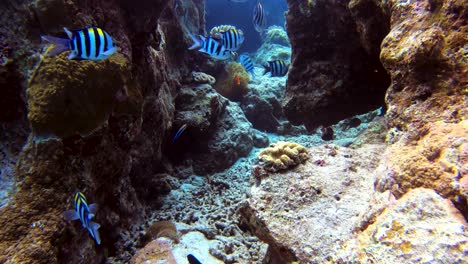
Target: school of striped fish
<point x="94" y="43"/>
<point x="224" y="45"/>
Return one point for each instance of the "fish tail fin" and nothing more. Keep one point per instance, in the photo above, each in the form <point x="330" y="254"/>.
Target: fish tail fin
<point x="70" y="215"/>
<point x="94" y="232"/>
<point x="197" y="43"/>
<point x="60" y="44"/>
<point x="266" y="69"/>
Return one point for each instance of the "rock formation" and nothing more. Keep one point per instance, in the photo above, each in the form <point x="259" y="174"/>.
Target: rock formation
<point x="333" y="75"/>
<point x="109" y="158"/>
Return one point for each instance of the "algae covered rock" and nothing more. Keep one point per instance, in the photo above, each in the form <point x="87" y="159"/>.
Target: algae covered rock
<point x="283" y="155"/>
<point x="421" y="227"/>
<point x="69" y="96"/>
<point x="233" y="84"/>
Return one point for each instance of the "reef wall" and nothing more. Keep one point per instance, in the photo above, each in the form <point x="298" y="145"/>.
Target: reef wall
<point x="335" y="73"/>
<point x="97" y="127"/>
<point x="417" y="181"/>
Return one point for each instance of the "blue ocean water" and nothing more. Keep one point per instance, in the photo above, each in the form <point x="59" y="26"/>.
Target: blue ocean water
<point x="225" y="12"/>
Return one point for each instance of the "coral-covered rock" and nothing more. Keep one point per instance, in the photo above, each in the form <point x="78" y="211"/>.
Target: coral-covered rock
<point x="426" y="58"/>
<point x="232" y="138"/>
<point x="199" y="107"/>
<point x="424" y="54"/>
<point x="303" y="213"/>
<point x="283" y="155"/>
<point x="275" y="46"/>
<point x="421" y="227"/>
<point x="262" y="104"/>
<point x="157" y="251"/>
<point x="68" y="96"/>
<point x="233" y="83"/>
<point x="124" y="148"/>
<point x="434" y="158"/>
<point x="332" y="76"/>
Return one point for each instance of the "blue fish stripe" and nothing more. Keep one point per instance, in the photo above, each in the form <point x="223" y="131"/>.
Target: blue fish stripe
<point x="83" y="44"/>
<point x="79" y="49"/>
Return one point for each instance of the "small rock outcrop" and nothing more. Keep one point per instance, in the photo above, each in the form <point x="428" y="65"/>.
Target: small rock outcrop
<point x="217" y="131"/>
<point x="304" y="212"/>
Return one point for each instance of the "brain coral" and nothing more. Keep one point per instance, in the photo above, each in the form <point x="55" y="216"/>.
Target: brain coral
<point x="222" y="28"/>
<point x="282" y="155"/>
<point x="201" y="77"/>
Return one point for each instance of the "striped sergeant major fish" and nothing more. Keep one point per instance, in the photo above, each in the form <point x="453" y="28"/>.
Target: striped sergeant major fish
<point x="210" y="46"/>
<point x="259" y="17"/>
<point x="232" y="39"/>
<point x="90" y="43"/>
<point x="277" y="68"/>
<point x="246" y="62"/>
<point x="85" y="213"/>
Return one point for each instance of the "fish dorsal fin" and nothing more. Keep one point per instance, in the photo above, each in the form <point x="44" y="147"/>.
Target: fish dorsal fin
<point x="69" y="33"/>
<point x="70" y="215"/>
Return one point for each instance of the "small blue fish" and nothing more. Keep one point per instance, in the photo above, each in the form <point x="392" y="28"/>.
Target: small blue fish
<point x="259" y="17"/>
<point x="277" y="68"/>
<point x="85" y="213"/>
<point x="179" y="132"/>
<point x="246" y="62"/>
<point x="210" y="46"/>
<point x="90" y="43"/>
<point x="192" y="259"/>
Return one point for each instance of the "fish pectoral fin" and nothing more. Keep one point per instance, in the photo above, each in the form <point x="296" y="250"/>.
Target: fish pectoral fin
<point x="72" y="55"/>
<point x="69" y="33"/>
<point x="70" y="215"/>
<point x="93" y="208"/>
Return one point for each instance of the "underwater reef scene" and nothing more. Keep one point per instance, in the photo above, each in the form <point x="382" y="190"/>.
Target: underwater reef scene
<point x="233" y="131"/>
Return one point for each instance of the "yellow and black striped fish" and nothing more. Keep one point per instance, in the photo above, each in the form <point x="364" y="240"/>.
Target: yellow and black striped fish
<point x="90" y="43"/>
<point x="277" y="68"/>
<point x="85" y="213"/>
<point x="232" y="39"/>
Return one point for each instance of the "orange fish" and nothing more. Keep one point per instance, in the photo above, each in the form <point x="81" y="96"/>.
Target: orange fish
<point x="237" y="79"/>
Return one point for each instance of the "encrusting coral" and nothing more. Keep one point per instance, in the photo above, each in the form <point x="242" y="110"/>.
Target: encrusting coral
<point x="201" y="77"/>
<point x="233" y="84"/>
<point x="68" y="96"/>
<point x="283" y="155"/>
